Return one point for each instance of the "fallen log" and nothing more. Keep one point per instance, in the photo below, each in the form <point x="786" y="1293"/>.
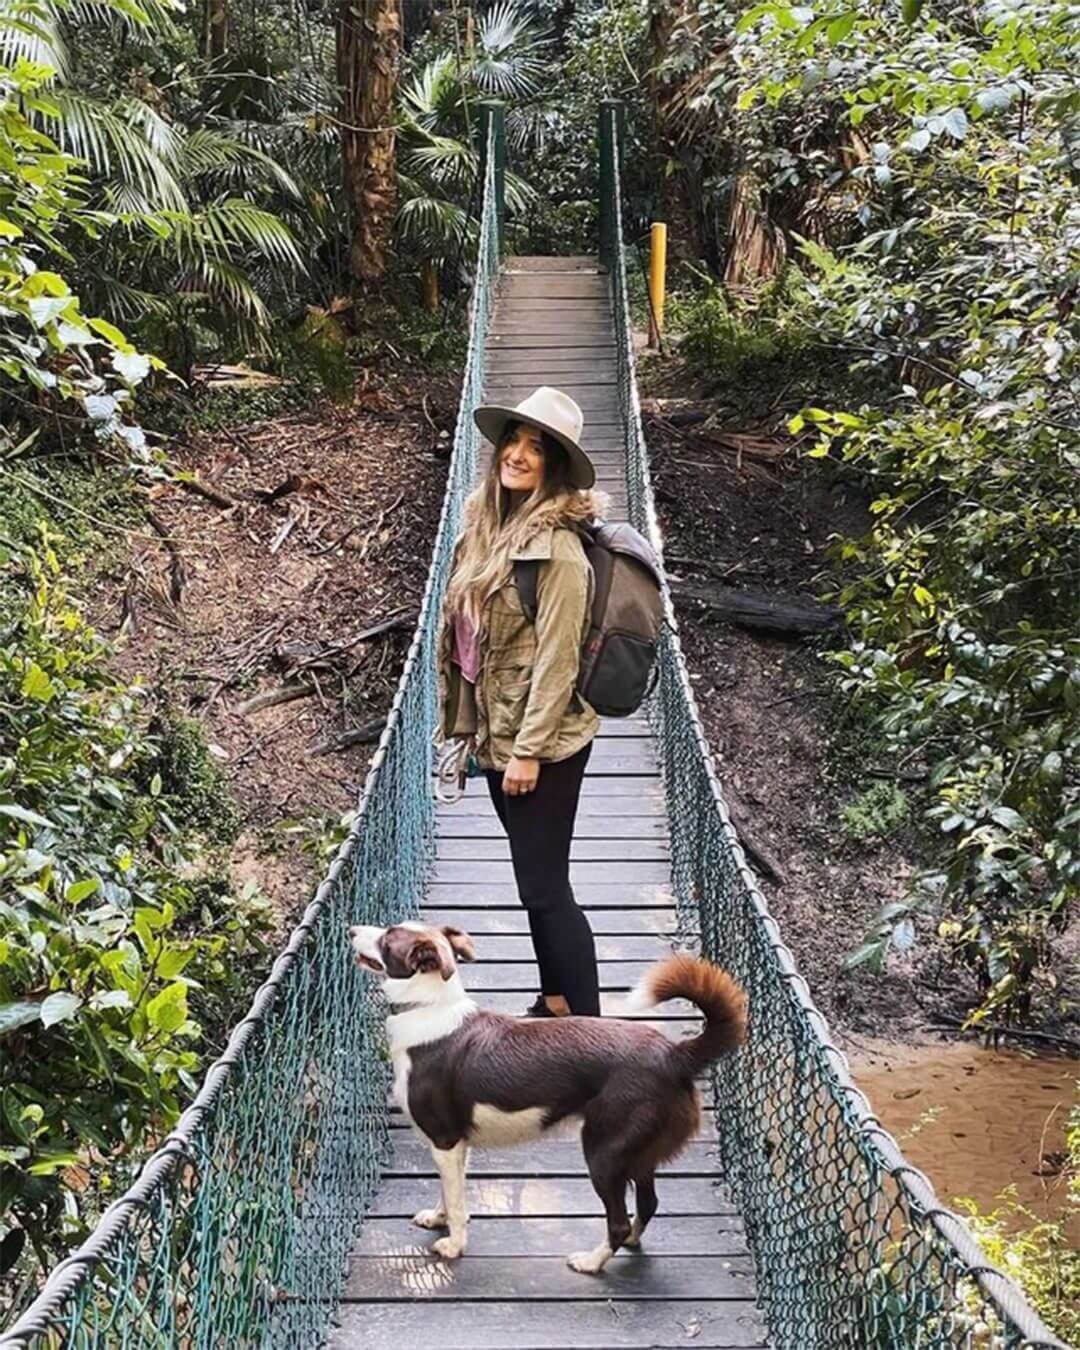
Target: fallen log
<point x="785" y="615"/>
<point x="361" y="735"/>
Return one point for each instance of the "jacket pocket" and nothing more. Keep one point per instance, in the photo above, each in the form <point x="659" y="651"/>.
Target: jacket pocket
<point x="509" y="694"/>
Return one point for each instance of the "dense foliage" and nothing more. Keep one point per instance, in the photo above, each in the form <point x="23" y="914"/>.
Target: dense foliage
<point x="909" y="180"/>
<point x="119" y="943"/>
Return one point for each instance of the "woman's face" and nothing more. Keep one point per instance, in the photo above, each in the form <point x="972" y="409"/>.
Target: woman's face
<point x="521" y="460"/>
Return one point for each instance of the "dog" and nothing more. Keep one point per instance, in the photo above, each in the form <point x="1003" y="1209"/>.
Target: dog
<point x="467" y="1078"/>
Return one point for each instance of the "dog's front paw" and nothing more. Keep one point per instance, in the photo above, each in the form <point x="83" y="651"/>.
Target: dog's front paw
<point x="430" y="1218"/>
<point x="589" y="1263"/>
<point x="448" y="1248"/>
<point x="633" y="1238"/>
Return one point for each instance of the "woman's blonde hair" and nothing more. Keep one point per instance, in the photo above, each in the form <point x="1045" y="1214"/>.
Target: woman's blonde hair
<point x="494" y="530"/>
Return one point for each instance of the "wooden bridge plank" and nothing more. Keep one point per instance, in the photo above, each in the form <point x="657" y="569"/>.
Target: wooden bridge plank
<point x="493" y="869"/>
<point x="495" y="849"/>
<point x="550" y="1197"/>
<point x="502" y="892"/>
<point x="717" y="1235"/>
<point x="610" y="827"/>
<point x="716" y="1325"/>
<point x="513" y="948"/>
<point x="545" y="1157"/>
<point x="521" y="976"/>
<point x="553" y="286"/>
<point x="526" y="1279"/>
<point x="544" y="263"/>
<point x="491" y="920"/>
<point x="602" y="787"/>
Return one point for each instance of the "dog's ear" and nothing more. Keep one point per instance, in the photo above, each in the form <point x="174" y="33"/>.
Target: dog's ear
<point x="425" y="958"/>
<point x="461" y="942"/>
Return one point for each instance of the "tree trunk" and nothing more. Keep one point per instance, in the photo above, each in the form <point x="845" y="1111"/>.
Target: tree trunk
<point x="368" y="48"/>
<point x="217" y="29"/>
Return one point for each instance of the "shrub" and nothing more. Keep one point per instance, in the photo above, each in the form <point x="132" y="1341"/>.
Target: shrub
<point x="875" y="813"/>
<point x="111" y="934"/>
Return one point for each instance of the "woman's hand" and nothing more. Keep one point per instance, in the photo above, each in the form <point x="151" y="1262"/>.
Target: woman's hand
<point x="521" y="776"/>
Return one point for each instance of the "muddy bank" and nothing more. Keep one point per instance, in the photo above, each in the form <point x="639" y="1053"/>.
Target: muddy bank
<point x="976" y="1120"/>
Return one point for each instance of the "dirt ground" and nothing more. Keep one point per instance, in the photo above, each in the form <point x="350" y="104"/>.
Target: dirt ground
<point x="307" y="531"/>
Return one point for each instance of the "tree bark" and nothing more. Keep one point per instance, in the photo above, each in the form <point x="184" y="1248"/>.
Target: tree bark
<point x="217" y="29"/>
<point x="368" y="51"/>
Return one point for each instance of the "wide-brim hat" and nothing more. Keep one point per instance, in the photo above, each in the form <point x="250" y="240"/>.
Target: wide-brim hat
<point x="552" y="411"/>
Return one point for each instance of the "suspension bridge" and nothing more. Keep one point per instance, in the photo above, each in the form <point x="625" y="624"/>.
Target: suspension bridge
<point x="277" y="1212"/>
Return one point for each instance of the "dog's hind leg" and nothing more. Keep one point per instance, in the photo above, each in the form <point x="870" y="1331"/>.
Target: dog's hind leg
<point x="645" y="1189"/>
<point x="609" y="1180"/>
<point x="451" y="1163"/>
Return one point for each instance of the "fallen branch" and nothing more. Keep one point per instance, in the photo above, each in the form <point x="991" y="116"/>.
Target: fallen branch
<point x="361" y="735"/>
<point x="296" y="482"/>
<point x="784" y="615"/>
<point x="272" y="697"/>
<point x="193" y="483"/>
<point x="758" y="853"/>
<point x="995" y="1034"/>
<point x="404" y="618"/>
<point x="283" y="534"/>
<point x="177" y="575"/>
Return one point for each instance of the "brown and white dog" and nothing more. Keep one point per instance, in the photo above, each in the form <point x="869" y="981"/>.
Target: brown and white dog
<point x="470" y="1078"/>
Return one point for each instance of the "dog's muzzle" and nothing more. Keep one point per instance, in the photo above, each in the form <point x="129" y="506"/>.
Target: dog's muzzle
<point x="364" y="939"/>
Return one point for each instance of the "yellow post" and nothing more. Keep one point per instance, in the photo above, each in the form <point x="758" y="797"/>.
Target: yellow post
<point x="657" y="282"/>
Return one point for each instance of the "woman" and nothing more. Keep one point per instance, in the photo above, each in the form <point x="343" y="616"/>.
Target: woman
<point x="508" y="684"/>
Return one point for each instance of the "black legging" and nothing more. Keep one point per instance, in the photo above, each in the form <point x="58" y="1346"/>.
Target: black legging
<point x="540" y="826"/>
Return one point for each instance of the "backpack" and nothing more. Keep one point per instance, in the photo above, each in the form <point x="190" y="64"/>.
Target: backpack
<point x="619" y="650"/>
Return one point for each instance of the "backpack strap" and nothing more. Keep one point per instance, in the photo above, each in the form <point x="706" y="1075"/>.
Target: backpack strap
<point x="527" y="572"/>
<point x="527" y="579"/>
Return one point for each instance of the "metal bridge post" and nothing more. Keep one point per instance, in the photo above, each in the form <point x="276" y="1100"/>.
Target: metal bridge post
<point x="610" y="145"/>
<point x="493" y="119"/>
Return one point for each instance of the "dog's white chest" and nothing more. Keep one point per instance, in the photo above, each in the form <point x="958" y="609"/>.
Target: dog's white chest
<point x="402" y="1062"/>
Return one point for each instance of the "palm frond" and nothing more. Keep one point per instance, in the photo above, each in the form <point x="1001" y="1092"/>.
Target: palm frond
<point x="445" y="160"/>
<point x="209" y="153"/>
<point x="433" y="97"/>
<point x="113" y="145"/>
<point x="512" y="60"/>
<point x="32" y="32"/>
<point x="437" y="228"/>
<point x="236" y="222"/>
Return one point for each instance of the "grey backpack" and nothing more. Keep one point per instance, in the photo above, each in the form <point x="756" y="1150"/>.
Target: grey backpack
<point x="619" y="651"/>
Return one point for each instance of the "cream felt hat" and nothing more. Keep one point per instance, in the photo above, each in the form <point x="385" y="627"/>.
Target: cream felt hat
<point x="552" y="411"/>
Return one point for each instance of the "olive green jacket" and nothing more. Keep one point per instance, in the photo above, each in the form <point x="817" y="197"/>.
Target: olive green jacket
<point x="524" y="703"/>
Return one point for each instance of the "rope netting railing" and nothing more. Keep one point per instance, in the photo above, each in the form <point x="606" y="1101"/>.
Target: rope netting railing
<point x="851" y="1245"/>
<point x="237" y="1231"/>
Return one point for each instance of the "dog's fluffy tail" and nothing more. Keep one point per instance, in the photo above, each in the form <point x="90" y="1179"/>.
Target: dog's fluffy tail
<point x="713" y="990"/>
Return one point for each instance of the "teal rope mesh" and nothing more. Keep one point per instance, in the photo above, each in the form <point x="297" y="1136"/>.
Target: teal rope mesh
<point x="851" y="1245"/>
<point x="237" y="1231"/>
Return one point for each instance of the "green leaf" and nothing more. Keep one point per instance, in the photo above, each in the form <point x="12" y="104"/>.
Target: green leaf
<point x="841" y="28"/>
<point x="110" y="332"/>
<point x="36" y="684"/>
<point x="167" y="1012"/>
<point x="911" y="9"/>
<point x="21" y="813"/>
<point x="16" y="1015"/>
<point x="173" y="962"/>
<point x="59" y="1007"/>
<point x="79" y="890"/>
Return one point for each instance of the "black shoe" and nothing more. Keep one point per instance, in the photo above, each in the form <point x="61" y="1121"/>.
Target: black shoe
<point x="539" y="1009"/>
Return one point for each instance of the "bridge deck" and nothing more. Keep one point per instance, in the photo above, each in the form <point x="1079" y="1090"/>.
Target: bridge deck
<point x="694" y="1283"/>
